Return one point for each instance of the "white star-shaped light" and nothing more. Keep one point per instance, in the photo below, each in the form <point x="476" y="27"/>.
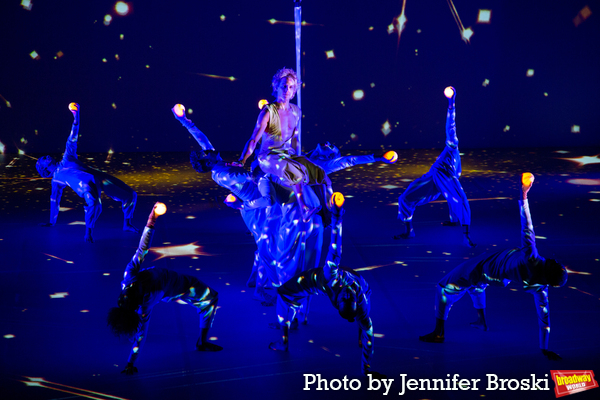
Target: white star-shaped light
<point x="184" y="250"/>
<point x="584" y="160"/>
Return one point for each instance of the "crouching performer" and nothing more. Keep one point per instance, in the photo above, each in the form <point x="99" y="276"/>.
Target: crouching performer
<point x="522" y="265"/>
<point x="142" y="289"/>
<point x="348" y="292"/>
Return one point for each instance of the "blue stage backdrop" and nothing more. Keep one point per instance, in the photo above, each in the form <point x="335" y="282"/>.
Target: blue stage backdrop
<point x="526" y="72"/>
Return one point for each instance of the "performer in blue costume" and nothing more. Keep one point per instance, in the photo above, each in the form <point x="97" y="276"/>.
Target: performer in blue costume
<point x="442" y="179"/>
<point x="348" y="292"/>
<point x="260" y="218"/>
<point x="522" y="265"/>
<point x="328" y="157"/>
<point x="87" y="182"/>
<point x="142" y="289"/>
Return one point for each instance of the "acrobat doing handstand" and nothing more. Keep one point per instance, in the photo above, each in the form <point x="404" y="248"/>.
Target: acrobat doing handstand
<point x="523" y="265"/>
<point x="442" y="179"/>
<point x="144" y="288"/>
<point x="87" y="182"/>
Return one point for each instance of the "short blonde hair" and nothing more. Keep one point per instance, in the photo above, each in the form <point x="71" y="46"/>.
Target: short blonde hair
<point x="282" y="74"/>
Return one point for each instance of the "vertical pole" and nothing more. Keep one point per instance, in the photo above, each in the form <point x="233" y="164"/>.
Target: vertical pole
<point x="297" y="30"/>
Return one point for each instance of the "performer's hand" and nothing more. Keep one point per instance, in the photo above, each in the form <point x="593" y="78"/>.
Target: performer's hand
<point x="236" y="204"/>
<point x="153" y="216"/>
<point x="278" y="345"/>
<point x="177" y="108"/>
<point x="237" y="164"/>
<point x="129" y="369"/>
<point x="376" y="375"/>
<point x="551" y="355"/>
<point x="74" y="108"/>
<point x="46" y="224"/>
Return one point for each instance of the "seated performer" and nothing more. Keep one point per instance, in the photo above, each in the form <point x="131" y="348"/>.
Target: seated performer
<point x="442" y="178"/>
<point x="348" y="292"/>
<point x="87" y="182"/>
<point x="523" y="265"/>
<point x="277" y="128"/>
<point x="142" y="289"/>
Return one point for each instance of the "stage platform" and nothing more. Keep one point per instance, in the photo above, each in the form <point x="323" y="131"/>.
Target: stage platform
<point x="55" y="289"/>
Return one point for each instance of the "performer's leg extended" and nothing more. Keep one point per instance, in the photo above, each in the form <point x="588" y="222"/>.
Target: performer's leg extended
<point x="421" y="191"/>
<point x="205" y="300"/>
<point x="445" y="297"/>
<point x="477" y="294"/>
<point x="93" y="209"/>
<point x="458" y="204"/>
<point x="119" y="191"/>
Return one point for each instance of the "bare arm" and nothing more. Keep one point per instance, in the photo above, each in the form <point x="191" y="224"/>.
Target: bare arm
<point x="259" y="129"/>
<point x="71" y="148"/>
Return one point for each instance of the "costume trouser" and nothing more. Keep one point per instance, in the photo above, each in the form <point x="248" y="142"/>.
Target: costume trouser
<point x="446" y="296"/>
<point x="92" y="208"/>
<point x="428" y="188"/>
<point x="198" y="294"/>
<point x="293" y="170"/>
<point x="117" y="190"/>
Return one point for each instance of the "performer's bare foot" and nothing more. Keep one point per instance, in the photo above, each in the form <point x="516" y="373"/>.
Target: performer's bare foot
<point x="207" y="346"/>
<point x="432" y="337"/>
<point x="468" y="242"/>
<point x="405" y="235"/>
<point x="450" y="223"/>
<point x="479" y="324"/>
<point x="88" y="236"/>
<point x="551" y="355"/>
<point x="279" y="345"/>
<point x="294" y="325"/>
<point x="128" y="226"/>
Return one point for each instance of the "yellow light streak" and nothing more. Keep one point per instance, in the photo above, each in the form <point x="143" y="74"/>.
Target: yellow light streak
<point x="229" y="78"/>
<point x="41" y="382"/>
<point x="58" y="258"/>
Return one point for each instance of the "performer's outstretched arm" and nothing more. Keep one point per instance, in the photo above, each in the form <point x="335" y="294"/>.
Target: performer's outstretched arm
<point x="134" y="265"/>
<point x="71" y="147"/>
<point x="451" y="138"/>
<point x="340" y="163"/>
<point x="527" y="232"/>
<point x="334" y="255"/>
<point x="192" y="129"/>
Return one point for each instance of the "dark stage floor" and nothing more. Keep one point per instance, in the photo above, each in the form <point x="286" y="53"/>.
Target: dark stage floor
<point x="55" y="289"/>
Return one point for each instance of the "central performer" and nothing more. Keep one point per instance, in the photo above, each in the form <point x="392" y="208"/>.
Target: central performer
<point x="277" y="127"/>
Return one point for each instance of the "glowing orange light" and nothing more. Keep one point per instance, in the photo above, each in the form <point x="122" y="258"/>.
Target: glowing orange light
<point x="160" y="208"/>
<point x="391" y="156"/>
<point x="262" y="103"/>
<point x="73" y="106"/>
<point x="527" y="179"/>
<point x="179" y="110"/>
<point x="230" y="198"/>
<point x="449" y="92"/>
<point x="338" y="199"/>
